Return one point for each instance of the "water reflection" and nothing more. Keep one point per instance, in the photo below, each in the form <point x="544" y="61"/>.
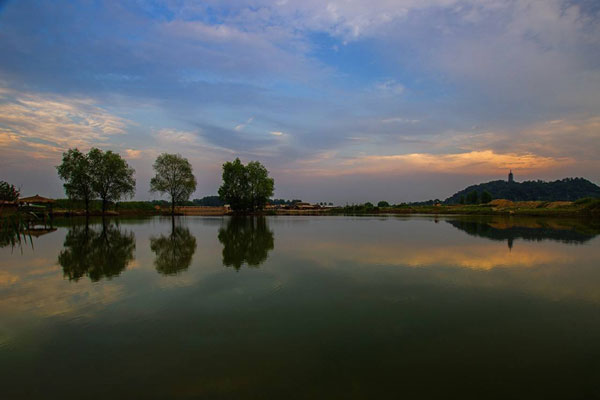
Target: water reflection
<point x="509" y="229"/>
<point x="246" y="240"/>
<point x="174" y="253"/>
<point x="103" y="253"/>
<point x="16" y="232"/>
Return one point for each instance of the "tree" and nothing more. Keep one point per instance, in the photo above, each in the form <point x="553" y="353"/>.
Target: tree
<point x="473" y="197"/>
<point x="173" y="176"/>
<point x="462" y="199"/>
<point x="8" y="192"/>
<point x="246" y="188"/>
<point x="111" y="176"/>
<point x="383" y="204"/>
<point x="486" y="197"/>
<point x="75" y="170"/>
<point x="260" y="186"/>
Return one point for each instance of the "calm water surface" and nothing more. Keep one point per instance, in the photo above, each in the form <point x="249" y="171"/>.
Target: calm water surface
<point x="303" y="308"/>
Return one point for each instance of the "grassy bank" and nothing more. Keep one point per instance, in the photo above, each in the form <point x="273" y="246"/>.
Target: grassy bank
<point x="585" y="207"/>
<point x="589" y="207"/>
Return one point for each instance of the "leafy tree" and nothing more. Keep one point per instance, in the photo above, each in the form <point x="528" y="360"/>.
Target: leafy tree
<point x="383" y="204"/>
<point x="112" y="177"/>
<point x="473" y="197"/>
<point x="173" y="176"/>
<point x="462" y="199"/>
<point x="260" y="186"/>
<point x="174" y="253"/>
<point x="76" y="171"/>
<point x="246" y="240"/>
<point x="97" y="254"/>
<point x="486" y="197"/>
<point x="246" y="188"/>
<point x="8" y="192"/>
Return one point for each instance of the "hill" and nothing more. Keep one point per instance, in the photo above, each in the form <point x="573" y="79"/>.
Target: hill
<point x="568" y="189"/>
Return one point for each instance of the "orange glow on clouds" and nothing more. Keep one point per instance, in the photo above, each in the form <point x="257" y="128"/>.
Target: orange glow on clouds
<point x="468" y="163"/>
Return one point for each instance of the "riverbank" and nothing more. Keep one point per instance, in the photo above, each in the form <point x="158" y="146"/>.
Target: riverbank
<point x="579" y="208"/>
<point x="583" y="207"/>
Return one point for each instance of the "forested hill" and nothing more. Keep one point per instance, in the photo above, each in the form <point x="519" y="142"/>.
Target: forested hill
<point x="568" y="189"/>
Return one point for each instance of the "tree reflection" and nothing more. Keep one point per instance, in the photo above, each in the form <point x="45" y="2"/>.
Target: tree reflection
<point x="97" y="254"/>
<point x="174" y="253"/>
<point x="572" y="231"/>
<point x="246" y="240"/>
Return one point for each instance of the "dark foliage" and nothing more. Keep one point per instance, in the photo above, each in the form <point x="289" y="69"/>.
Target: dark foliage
<point x="209" y="201"/>
<point x="568" y="189"/>
<point x="8" y="192"/>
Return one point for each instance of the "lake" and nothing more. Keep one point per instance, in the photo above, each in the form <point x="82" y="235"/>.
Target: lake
<point x="302" y="308"/>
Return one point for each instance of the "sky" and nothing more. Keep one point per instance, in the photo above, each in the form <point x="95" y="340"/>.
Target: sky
<point x="343" y="101"/>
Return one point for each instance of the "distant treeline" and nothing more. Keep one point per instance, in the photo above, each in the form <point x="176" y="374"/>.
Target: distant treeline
<point x="215" y="201"/>
<point x="207" y="201"/>
<point x="568" y="189"/>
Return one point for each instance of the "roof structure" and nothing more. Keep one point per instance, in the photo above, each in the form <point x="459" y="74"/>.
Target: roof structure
<point x="36" y="199"/>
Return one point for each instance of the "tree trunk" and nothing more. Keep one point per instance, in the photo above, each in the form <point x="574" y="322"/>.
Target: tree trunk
<point x="104" y="206"/>
<point x="172" y="207"/>
<point x="87" y="207"/>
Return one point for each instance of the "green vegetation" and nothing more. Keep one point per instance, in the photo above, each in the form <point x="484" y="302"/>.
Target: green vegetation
<point x="96" y="174"/>
<point x="209" y="201"/>
<point x="568" y="189"/>
<point x="383" y="204"/>
<point x="8" y="192"/>
<point x="246" y="188"/>
<point x="112" y="177"/>
<point x="473" y="197"/>
<point x="583" y="207"/>
<point x="174" y="177"/>
<point x="486" y="197"/>
<point x="76" y="171"/>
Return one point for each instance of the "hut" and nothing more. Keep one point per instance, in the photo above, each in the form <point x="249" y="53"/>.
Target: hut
<point x="37" y="199"/>
<point x="36" y="204"/>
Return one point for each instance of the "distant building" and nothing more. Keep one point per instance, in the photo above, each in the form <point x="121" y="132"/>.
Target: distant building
<point x="510" y="177"/>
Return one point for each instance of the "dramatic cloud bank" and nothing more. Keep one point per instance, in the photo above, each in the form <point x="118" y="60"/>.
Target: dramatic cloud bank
<point x="343" y="100"/>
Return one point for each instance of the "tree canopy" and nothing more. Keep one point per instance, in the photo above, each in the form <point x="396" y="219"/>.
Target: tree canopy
<point x="568" y="189"/>
<point x="174" y="177"/>
<point x="112" y="178"/>
<point x="8" y="192"/>
<point x="174" y="253"/>
<point x="76" y="171"/>
<point x="246" y="188"/>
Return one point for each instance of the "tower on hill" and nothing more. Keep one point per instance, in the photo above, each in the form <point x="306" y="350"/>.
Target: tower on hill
<point x="510" y="177"/>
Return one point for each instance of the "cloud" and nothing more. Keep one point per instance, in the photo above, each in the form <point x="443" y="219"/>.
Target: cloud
<point x="482" y="162"/>
<point x="277" y="133"/>
<point x="133" y="154"/>
<point x="390" y="87"/>
<point x="240" y="127"/>
<point x="43" y="126"/>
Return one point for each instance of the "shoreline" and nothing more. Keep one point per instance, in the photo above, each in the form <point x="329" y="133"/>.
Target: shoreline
<point x="588" y="209"/>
